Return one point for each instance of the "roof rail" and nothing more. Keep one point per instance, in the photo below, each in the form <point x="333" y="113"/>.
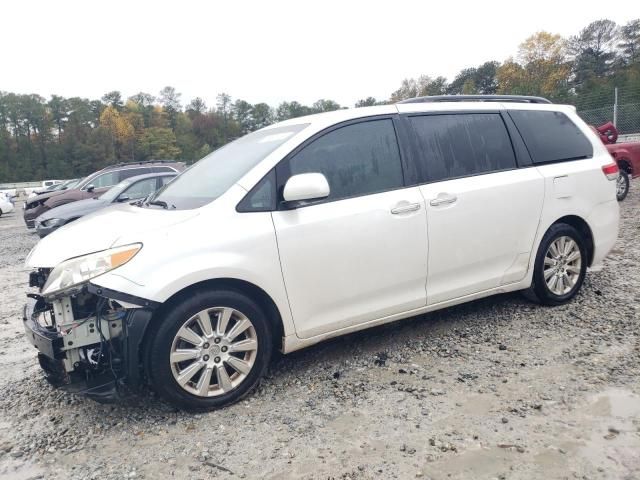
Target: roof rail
<point x="143" y="162"/>
<point x="477" y="98"/>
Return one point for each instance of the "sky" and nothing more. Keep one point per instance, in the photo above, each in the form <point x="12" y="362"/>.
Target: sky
<point x="267" y="51"/>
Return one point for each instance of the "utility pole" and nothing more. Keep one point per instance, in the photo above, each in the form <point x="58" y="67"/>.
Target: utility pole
<point x="615" y="107"/>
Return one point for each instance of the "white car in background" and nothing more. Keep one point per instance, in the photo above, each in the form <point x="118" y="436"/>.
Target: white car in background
<point x="317" y="227"/>
<point x="52" y="186"/>
<point x="6" y="206"/>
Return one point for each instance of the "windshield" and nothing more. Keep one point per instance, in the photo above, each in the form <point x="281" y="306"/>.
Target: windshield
<point x="69" y="184"/>
<point x="214" y="174"/>
<point x="113" y="193"/>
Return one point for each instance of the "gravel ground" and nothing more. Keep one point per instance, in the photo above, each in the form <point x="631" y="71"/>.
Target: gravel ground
<point x="497" y="388"/>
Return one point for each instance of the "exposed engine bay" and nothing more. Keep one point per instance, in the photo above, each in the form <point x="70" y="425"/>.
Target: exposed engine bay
<point x="83" y="340"/>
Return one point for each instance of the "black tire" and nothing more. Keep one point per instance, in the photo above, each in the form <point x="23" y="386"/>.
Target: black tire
<point x="622" y="186"/>
<point x="539" y="290"/>
<point x="158" y="365"/>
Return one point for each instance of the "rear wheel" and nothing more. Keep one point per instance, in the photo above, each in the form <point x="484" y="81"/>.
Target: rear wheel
<point x="210" y="350"/>
<point x="622" y="185"/>
<point x="560" y="267"/>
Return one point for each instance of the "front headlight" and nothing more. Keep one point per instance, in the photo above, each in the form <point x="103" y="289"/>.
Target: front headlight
<point x="52" y="222"/>
<point x="79" y="270"/>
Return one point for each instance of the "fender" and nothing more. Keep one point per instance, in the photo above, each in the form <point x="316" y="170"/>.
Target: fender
<point x="161" y="281"/>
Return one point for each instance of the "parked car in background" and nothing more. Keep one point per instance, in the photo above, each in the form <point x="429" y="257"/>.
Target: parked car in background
<point x="95" y="185"/>
<point x="10" y="193"/>
<point x="65" y="185"/>
<point x="6" y="205"/>
<point x="129" y="190"/>
<point x="626" y="155"/>
<point x="50" y="183"/>
<point x="45" y="185"/>
<point x="316" y="227"/>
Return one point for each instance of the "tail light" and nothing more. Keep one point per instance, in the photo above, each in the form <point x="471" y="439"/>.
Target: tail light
<point x="611" y="171"/>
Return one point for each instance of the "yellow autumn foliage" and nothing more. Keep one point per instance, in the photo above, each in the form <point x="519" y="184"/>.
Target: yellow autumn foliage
<point x="542" y="67"/>
<point x="120" y="128"/>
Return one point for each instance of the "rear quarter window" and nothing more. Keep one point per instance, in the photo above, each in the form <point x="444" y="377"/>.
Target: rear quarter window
<point x="551" y="136"/>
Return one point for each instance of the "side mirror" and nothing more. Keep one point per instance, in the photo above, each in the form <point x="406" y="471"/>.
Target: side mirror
<point x="306" y="186"/>
<point x="91" y="188"/>
<point x="123" y="198"/>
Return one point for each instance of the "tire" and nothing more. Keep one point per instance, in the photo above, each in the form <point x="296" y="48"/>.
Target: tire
<point x="622" y="185"/>
<point x="167" y="346"/>
<point x="571" y="273"/>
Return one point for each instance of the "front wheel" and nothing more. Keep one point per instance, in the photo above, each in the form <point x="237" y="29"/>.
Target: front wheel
<point x="622" y="185"/>
<point x="560" y="266"/>
<point x="210" y="350"/>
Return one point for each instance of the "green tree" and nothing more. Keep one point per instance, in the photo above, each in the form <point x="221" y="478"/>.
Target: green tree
<point x="629" y="44"/>
<point x="59" y="108"/>
<point x="144" y="101"/>
<point x="262" y="115"/>
<point x="287" y="110"/>
<point x="323" y="105"/>
<point x="593" y="51"/>
<point x="485" y="79"/>
<point x="159" y="144"/>
<point x="366" y="102"/>
<point x="243" y="114"/>
<point x="197" y="106"/>
<point x="113" y="99"/>
<point x="170" y="101"/>
<point x="223" y="104"/>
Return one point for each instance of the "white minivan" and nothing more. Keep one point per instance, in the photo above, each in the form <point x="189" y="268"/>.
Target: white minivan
<point x="316" y="227"/>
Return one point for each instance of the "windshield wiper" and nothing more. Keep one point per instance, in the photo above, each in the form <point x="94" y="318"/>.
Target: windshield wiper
<point x="160" y="203"/>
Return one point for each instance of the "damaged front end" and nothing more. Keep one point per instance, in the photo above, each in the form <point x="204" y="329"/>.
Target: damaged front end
<point x="88" y="339"/>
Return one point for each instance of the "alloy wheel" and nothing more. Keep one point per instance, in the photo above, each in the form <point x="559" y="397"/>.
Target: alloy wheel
<point x="214" y="351"/>
<point x="562" y="265"/>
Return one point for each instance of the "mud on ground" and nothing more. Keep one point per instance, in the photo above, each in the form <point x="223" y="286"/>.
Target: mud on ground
<point x="497" y="388"/>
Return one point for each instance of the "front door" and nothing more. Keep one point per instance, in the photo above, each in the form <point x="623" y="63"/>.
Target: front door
<point x="360" y="254"/>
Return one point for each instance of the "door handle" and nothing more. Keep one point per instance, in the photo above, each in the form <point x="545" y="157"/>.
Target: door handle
<point x="412" y="207"/>
<point x="443" y="199"/>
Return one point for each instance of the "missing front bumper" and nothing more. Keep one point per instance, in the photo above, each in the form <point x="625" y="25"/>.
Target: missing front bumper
<point x="78" y="361"/>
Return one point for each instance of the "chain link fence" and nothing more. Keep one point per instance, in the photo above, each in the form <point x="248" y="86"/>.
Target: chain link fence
<point x="621" y="106"/>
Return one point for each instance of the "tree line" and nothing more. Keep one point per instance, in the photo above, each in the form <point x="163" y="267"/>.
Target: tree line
<point x="70" y="137"/>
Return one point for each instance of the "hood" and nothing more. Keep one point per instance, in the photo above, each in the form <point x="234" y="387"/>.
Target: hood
<point x="73" y="195"/>
<point x="45" y="196"/>
<point x="102" y="230"/>
<point x="74" y="209"/>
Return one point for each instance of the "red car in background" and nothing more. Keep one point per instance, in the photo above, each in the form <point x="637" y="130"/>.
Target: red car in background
<point x="626" y="155"/>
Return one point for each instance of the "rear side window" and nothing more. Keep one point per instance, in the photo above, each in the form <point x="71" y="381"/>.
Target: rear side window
<point x="162" y="169"/>
<point x="133" y="172"/>
<point x="459" y="145"/>
<point x="551" y="136"/>
<point x="357" y="159"/>
<point x="105" y="180"/>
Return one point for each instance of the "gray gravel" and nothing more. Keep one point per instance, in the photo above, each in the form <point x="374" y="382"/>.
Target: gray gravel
<point x="497" y="388"/>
